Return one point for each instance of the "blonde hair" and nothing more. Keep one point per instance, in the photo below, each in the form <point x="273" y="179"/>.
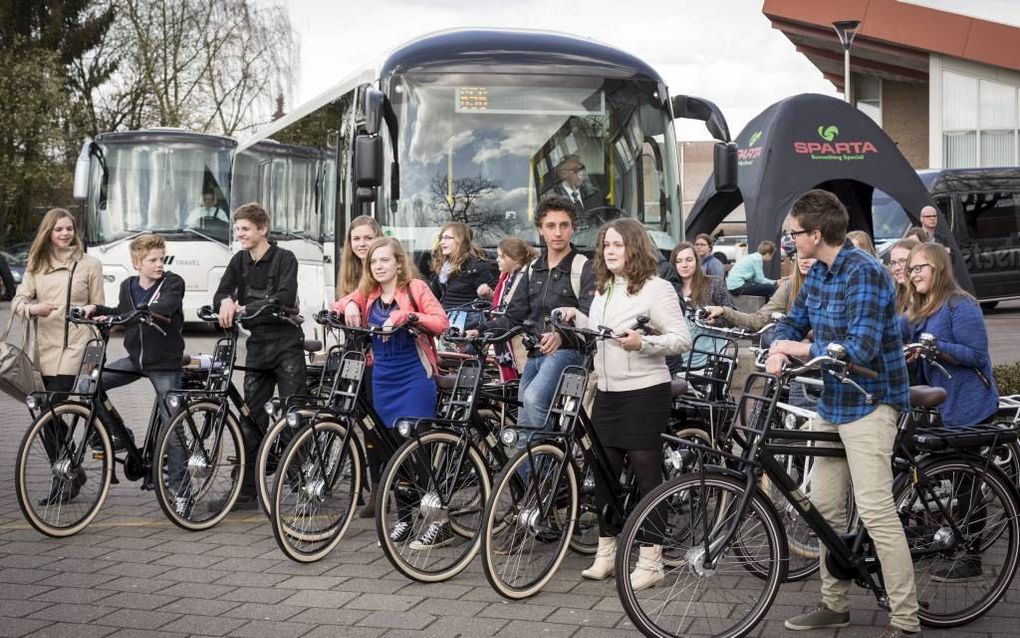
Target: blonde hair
<point x="42" y="247"/>
<point x="405" y="269"/>
<point x="351" y="266"/>
<point x="943" y="284"/>
<point x="142" y="244"/>
<point x="903" y="290"/>
<point x="464" y="248"/>
<point x="862" y="240"/>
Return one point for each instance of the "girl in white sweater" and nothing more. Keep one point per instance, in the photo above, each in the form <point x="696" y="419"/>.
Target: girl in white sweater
<point x="633" y="400"/>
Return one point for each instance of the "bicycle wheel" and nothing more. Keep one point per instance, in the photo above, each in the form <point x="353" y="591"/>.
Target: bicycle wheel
<point x="529" y="520"/>
<point x="64" y="469"/>
<point x="959" y="576"/>
<point x="268" y="460"/>
<point x="316" y="493"/>
<point x="199" y="466"/>
<point x="695" y="600"/>
<point x="429" y="510"/>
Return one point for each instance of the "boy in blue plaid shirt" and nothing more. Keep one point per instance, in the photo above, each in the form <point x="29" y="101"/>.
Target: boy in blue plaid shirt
<point x="848" y="298"/>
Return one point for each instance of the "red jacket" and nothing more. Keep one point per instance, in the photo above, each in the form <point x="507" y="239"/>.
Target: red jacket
<point x="426" y="307"/>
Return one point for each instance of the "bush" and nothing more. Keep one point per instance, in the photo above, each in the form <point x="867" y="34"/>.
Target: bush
<point x="1007" y="378"/>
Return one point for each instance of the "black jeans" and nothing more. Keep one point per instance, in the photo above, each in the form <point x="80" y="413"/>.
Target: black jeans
<point x="274" y="360"/>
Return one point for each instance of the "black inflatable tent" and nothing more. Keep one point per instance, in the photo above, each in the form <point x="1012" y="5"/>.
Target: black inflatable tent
<point x="813" y="141"/>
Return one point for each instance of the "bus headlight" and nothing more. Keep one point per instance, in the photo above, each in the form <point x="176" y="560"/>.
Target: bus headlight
<point x="405" y="428"/>
<point x="294" y="419"/>
<point x="508" y="436"/>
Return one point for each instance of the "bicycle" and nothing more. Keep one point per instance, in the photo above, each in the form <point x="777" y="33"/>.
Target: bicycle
<point x="435" y="485"/>
<point x="320" y="471"/>
<point x="530" y="515"/>
<point x="69" y="441"/>
<point x="207" y="432"/>
<point x="727" y="528"/>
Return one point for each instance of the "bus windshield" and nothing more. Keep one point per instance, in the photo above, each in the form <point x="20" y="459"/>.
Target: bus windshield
<point x="484" y="149"/>
<point x="175" y="188"/>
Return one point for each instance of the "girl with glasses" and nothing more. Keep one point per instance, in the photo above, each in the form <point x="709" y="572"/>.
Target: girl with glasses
<point x="461" y="273"/>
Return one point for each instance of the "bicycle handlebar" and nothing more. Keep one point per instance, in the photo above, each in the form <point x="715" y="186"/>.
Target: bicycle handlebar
<point x="272" y="309"/>
<point x="702" y="316"/>
<point x="453" y="334"/>
<point x="600" y="332"/>
<point x="927" y="350"/>
<point x="336" y="320"/>
<point x="76" y="315"/>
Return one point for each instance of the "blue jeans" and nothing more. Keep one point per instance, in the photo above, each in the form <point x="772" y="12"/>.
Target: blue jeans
<point x="538" y="383"/>
<point x="163" y="381"/>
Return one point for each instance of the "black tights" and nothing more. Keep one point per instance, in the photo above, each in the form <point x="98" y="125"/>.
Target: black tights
<point x="647" y="468"/>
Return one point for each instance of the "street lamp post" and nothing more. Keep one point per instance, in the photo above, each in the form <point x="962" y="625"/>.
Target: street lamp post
<point x="846" y="30"/>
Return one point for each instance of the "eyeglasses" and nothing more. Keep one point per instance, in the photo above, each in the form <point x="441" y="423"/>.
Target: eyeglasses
<point x="793" y="233"/>
<point x="928" y="216"/>
<point x="447" y="238"/>
<point x="898" y="263"/>
<point x="917" y="269"/>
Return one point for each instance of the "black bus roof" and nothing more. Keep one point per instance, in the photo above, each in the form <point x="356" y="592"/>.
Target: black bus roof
<point x="165" y="135"/>
<point x="485" y="50"/>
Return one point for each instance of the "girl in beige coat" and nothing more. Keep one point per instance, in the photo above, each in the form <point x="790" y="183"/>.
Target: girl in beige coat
<point x="57" y="260"/>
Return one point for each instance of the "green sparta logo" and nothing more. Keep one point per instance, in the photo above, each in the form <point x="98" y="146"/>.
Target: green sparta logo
<point x="828" y="133"/>
<point x="754" y="138"/>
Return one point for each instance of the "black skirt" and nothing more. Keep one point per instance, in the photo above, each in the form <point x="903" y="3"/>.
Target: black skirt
<point x="634" y="419"/>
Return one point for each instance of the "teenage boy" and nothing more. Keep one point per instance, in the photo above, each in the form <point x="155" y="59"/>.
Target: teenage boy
<point x="261" y="273"/>
<point x="150" y="353"/>
<point x="849" y="299"/>
<point x="560" y="277"/>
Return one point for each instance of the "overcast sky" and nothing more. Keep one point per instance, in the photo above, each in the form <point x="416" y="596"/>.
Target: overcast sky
<point x="723" y="50"/>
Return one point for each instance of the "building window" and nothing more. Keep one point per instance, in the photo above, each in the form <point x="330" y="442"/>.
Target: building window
<point x="979" y="122"/>
<point x="868" y="92"/>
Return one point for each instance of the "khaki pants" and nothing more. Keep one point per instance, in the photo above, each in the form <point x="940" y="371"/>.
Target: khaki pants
<point x="868" y="467"/>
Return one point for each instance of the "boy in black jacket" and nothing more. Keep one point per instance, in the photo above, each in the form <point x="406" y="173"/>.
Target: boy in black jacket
<point x="150" y="354"/>
<point x="259" y="274"/>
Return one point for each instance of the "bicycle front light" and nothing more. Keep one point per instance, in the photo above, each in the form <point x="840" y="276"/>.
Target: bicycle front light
<point x="508" y="436"/>
<point x="174" y="401"/>
<point x="294" y="419"/>
<point x="272" y="408"/>
<point x="405" y="428"/>
<point x="32" y="401"/>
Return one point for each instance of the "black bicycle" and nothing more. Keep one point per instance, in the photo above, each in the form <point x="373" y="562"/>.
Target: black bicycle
<point x="530" y="517"/>
<point x="319" y="475"/>
<point x="955" y="505"/>
<point x="434" y="487"/>
<point x="66" y="461"/>
<point x="206" y="432"/>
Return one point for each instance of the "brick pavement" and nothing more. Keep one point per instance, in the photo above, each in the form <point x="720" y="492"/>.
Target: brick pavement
<point x="133" y="573"/>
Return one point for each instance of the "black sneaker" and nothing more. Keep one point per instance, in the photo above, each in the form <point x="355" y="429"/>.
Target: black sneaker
<point x="400" y="532"/>
<point x="63" y="492"/>
<point x="436" y="535"/>
<point x="961" y="571"/>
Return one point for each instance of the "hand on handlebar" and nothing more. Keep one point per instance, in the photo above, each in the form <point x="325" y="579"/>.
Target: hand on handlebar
<point x="711" y="313"/>
<point x="352" y="315"/>
<point x="228" y="310"/>
<point x="550" y="342"/>
<point x="631" y="342"/>
<point x="776" y="362"/>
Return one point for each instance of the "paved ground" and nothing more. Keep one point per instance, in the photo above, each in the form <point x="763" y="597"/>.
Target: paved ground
<point x="133" y="573"/>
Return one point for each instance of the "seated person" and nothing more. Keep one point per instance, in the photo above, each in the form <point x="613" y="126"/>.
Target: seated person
<point x="573" y="183"/>
<point x="747" y="277"/>
<point x="206" y="212"/>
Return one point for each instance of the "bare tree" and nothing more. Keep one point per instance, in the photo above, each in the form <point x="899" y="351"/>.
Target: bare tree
<point x="204" y="65"/>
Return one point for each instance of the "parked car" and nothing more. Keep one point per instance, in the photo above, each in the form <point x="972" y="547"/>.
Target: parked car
<point x="732" y="246"/>
<point x="982" y="206"/>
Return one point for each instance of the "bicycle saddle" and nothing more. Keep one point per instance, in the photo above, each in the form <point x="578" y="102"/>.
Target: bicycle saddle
<point x="926" y="396"/>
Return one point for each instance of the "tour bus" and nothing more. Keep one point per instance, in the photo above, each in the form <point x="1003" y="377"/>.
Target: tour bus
<point x="290" y="181"/>
<point x="982" y="206"/>
<point x="166" y="181"/>
<point x="471" y="126"/>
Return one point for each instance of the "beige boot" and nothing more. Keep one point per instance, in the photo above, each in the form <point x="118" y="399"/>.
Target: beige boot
<point x="602" y="568"/>
<point x="648" y="571"/>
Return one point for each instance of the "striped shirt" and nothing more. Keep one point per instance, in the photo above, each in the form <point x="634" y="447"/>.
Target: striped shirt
<point x="853" y="303"/>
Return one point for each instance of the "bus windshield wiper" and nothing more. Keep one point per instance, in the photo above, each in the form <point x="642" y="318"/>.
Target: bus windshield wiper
<point x="195" y="232"/>
<point x="131" y="234"/>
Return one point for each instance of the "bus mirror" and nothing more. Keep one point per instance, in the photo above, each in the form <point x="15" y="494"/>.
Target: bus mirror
<point x="81" y="172"/>
<point x="368" y="161"/>
<point x="724" y="166"/>
<point x="374" y="100"/>
<point x="696" y="108"/>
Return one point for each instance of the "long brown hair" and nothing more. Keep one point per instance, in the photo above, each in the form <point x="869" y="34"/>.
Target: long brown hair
<point x="903" y="290"/>
<point x="518" y="250"/>
<point x="943" y="284"/>
<point x="42" y="248"/>
<point x="351" y="265"/>
<point x="796" y="283"/>
<point x="405" y="268"/>
<point x="464" y="249"/>
<point x="862" y="240"/>
<point x="639" y="255"/>
<point x="699" y="281"/>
